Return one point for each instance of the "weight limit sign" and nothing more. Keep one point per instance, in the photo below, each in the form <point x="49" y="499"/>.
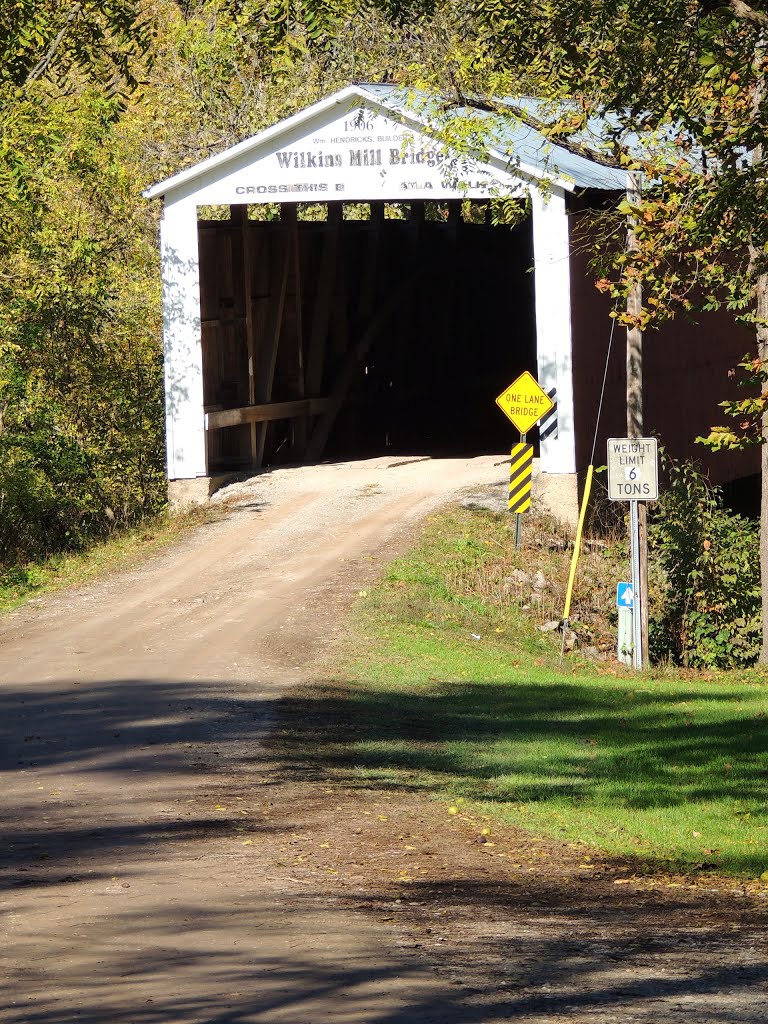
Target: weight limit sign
<point x="633" y="469"/>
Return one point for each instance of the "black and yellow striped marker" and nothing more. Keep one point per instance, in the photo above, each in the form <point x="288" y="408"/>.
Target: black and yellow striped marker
<point x="520" y="473"/>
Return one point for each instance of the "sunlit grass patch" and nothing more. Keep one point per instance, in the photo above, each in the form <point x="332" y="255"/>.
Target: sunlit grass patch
<point x="457" y="693"/>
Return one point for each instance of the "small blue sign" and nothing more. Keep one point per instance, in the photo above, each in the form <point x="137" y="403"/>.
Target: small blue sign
<point x="625" y="595"/>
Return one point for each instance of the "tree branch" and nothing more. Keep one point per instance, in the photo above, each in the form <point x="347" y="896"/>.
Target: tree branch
<point x="45" y="62"/>
<point x="746" y="13"/>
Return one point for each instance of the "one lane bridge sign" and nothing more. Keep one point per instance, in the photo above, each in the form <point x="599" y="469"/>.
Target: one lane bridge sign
<point x="625" y="595"/>
<point x="633" y="469"/>
<point x="524" y="402"/>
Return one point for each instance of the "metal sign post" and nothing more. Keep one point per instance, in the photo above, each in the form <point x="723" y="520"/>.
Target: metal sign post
<point x="625" y="603"/>
<point x="520" y="476"/>
<point x="633" y="476"/>
<point x="638" y="654"/>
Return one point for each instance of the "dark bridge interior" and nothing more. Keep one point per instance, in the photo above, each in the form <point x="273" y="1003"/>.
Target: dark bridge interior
<point x="335" y="337"/>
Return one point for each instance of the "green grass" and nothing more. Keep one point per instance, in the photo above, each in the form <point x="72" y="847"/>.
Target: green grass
<point x="125" y="548"/>
<point x="670" y="768"/>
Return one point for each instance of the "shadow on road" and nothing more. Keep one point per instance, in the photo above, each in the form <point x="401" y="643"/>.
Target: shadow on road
<point x="98" y="774"/>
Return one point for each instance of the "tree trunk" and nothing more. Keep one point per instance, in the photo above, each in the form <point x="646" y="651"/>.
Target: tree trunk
<point x="761" y="310"/>
<point x="635" y="413"/>
<point x="759" y="275"/>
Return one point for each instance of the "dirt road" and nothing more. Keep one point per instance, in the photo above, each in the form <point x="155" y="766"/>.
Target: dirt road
<point x="131" y="714"/>
<point x="166" y="860"/>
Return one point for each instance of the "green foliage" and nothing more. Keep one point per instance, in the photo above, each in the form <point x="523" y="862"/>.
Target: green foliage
<point x="682" y="86"/>
<point x="322" y="22"/>
<point x="80" y="372"/>
<point x="666" y="768"/>
<point x="100" y="40"/>
<point x="748" y="412"/>
<point x="80" y="413"/>
<point x="225" y="69"/>
<point x="680" y="90"/>
<point x="706" y="609"/>
<point x="49" y="493"/>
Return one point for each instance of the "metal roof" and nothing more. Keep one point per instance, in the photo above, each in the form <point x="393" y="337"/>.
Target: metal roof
<point x="515" y="139"/>
<point x="509" y="143"/>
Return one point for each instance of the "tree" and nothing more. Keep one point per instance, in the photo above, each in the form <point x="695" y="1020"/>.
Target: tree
<point x="223" y="70"/>
<point x="98" y="40"/>
<point x="80" y="410"/>
<point x="683" y="84"/>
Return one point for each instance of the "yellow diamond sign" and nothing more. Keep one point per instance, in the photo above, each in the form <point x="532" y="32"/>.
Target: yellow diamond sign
<point x="524" y="402"/>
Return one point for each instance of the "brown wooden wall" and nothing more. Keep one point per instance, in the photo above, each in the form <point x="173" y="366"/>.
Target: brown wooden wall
<point x="685" y="373"/>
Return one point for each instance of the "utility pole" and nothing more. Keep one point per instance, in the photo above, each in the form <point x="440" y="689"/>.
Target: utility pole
<point x="639" y="535"/>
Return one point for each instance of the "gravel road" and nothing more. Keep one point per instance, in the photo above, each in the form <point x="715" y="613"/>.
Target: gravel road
<point x="131" y="713"/>
<point x="170" y="856"/>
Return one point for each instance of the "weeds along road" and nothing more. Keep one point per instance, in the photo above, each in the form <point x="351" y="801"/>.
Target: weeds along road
<point x="136" y="808"/>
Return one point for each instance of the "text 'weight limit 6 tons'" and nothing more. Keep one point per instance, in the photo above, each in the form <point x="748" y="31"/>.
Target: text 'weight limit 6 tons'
<point x="633" y="473"/>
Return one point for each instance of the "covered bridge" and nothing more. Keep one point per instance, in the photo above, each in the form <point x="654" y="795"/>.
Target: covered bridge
<point x="334" y="287"/>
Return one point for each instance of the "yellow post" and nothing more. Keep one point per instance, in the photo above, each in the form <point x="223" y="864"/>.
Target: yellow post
<point x="577" y="546"/>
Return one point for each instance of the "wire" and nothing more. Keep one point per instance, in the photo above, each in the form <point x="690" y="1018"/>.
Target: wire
<point x="585" y="499"/>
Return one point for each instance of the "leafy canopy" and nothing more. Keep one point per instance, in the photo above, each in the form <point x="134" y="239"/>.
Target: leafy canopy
<point x="100" y="40"/>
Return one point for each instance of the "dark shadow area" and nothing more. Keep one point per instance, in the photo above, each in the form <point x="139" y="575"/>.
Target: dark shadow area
<point x="429" y="382"/>
<point x="191" y="963"/>
<point x="565" y="940"/>
<point x="145" y="729"/>
<point x="418" y="375"/>
<point x="626" y="741"/>
<point x="541" y="976"/>
<point x="743" y="496"/>
<point x="130" y="735"/>
<point x="37" y="854"/>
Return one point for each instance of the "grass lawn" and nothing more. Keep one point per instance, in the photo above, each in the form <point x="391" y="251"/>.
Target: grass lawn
<point x="447" y="688"/>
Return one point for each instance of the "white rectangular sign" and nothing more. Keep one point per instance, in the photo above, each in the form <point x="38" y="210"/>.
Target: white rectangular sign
<point x="633" y="469"/>
<point x="360" y="156"/>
